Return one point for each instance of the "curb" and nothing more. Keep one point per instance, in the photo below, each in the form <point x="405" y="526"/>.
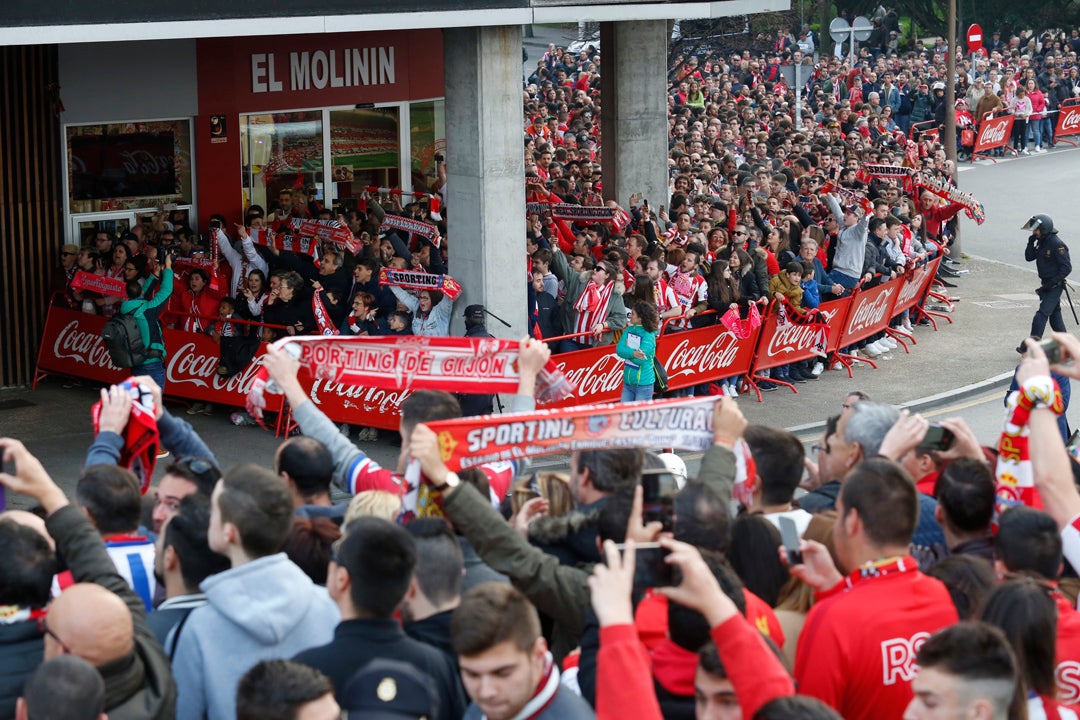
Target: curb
<point x="929" y="402"/>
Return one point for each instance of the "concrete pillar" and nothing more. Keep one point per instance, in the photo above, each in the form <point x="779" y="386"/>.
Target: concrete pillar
<point x="486" y="174"/>
<point x="634" y="110"/>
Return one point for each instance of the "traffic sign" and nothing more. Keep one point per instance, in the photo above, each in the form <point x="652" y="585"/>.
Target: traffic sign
<point x="862" y="28"/>
<point x="839" y="29"/>
<point x="974" y="38"/>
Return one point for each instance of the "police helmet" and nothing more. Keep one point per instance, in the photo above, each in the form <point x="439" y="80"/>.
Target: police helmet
<point x="1043" y="222"/>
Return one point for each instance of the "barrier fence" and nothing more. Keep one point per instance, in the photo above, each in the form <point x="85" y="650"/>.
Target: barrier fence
<point x="72" y="345"/>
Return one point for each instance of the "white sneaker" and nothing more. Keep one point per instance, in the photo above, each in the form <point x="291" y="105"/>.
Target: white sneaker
<point x="1040" y="150"/>
<point x="732" y="391"/>
<point x="1025" y="152"/>
<point x="905" y="330"/>
<point x="890" y="341"/>
<point x="818" y="369"/>
<point x="838" y="365"/>
<point x="871" y="350"/>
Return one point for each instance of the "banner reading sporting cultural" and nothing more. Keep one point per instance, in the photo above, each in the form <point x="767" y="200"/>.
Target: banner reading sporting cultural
<point x="684" y="424"/>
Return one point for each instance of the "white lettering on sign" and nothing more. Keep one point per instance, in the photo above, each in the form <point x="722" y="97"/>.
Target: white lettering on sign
<point x="319" y="69"/>
<point x="1071" y="121"/>
<point x="263" y="78"/>
<point x="993" y="133"/>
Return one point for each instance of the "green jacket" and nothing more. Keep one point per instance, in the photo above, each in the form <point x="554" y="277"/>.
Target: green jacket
<point x="146" y="313"/>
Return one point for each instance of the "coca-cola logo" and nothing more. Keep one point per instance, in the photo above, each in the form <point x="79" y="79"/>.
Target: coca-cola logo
<point x="795" y="338"/>
<point x="687" y="359"/>
<point x="73" y="343"/>
<point x="869" y="312"/>
<point x="603" y="376"/>
<point x="188" y="366"/>
<point x="1070" y="120"/>
<point x="910" y="289"/>
<point x="993" y="132"/>
<point x="359" y="397"/>
<point x="143" y="162"/>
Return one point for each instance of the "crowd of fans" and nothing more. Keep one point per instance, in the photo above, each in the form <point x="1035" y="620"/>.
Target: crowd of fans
<point x="251" y="594"/>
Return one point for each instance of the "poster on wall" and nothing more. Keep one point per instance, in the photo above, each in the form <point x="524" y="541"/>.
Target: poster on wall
<point x="218" y="129"/>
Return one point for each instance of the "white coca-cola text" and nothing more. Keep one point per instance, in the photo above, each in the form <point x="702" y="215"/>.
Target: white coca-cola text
<point x="993" y="132"/>
<point x="1070" y="121"/>
<point x="869" y="312"/>
<point x="73" y="343"/>
<point x="687" y="359"/>
<point x="794" y="338"/>
<point x="358" y="397"/>
<point x="187" y="366"/>
<point x="603" y="376"/>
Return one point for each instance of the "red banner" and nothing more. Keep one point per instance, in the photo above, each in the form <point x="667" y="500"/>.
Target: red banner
<point x="870" y="313"/>
<point x="104" y="285"/>
<point x="792" y="342"/>
<point x="1068" y="121"/>
<point x="420" y="280"/>
<point x="684" y="424"/>
<point x="915" y="285"/>
<point x="994" y="133"/>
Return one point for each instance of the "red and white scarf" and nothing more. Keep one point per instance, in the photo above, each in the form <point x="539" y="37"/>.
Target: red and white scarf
<point x="101" y="284"/>
<point x="412" y="227"/>
<point x="287" y="243"/>
<point x="592" y="306"/>
<point x="141" y="436"/>
<point x="327" y="230"/>
<point x="1015" y="479"/>
<point x="419" y="280"/>
<point x="392" y="362"/>
<point x="322" y="317"/>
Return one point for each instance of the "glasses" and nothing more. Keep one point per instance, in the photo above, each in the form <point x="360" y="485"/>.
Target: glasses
<point x="739" y="233"/>
<point x="43" y="626"/>
<point x="200" y="467"/>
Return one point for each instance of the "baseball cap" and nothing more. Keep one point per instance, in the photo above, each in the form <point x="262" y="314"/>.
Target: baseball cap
<point x="389" y="690"/>
<point x="475" y="312"/>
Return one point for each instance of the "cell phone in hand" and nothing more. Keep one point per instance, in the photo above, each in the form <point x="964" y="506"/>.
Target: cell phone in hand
<point x="1052" y="349"/>
<point x="937" y="438"/>
<point x="789" y="536"/>
<point x="650" y="568"/>
<point x="657" y="497"/>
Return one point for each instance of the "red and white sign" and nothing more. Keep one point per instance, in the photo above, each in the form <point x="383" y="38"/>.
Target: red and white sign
<point x="915" y="285"/>
<point x="994" y="133"/>
<point x="974" y="38"/>
<point x="870" y="312"/>
<point x="1068" y="121"/>
<point x="792" y="342"/>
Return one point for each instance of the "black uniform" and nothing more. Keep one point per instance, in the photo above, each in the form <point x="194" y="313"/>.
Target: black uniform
<point x="476" y="404"/>
<point x="1051" y="257"/>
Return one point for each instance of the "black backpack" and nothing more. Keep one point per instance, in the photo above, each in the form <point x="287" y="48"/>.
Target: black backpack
<point x="124" y="341"/>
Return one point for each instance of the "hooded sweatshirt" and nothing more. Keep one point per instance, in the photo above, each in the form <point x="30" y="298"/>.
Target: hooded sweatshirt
<point x="267" y="608"/>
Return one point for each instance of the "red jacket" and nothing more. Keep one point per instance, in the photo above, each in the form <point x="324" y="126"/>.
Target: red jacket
<point x="624" y="685"/>
<point x="857" y="649"/>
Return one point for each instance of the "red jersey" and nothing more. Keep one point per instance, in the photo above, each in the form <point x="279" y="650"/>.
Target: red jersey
<point x="1067" y="673"/>
<point x="857" y="649"/>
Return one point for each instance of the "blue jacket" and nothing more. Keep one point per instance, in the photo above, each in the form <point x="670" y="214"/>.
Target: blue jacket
<point x="637" y="372"/>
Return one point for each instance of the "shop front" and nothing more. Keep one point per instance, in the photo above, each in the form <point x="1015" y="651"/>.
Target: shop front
<point x="325" y="116"/>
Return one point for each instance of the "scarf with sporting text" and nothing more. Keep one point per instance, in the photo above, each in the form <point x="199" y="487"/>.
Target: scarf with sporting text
<point x="141" y="436"/>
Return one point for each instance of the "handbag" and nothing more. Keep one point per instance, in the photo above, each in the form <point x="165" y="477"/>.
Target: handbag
<point x="660" y="384"/>
<point x="967" y="137"/>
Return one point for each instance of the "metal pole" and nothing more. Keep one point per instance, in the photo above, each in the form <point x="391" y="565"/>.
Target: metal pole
<point x="798" y="96"/>
<point x="950" y="110"/>
<point x="852" y="31"/>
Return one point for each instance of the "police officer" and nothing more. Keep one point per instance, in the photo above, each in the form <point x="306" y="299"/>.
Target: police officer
<point x="476" y="404"/>
<point x="1051" y="257"/>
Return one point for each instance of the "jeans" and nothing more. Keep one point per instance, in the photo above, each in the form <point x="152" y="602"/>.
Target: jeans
<point x="155" y="369"/>
<point x="1036" y="131"/>
<point x="633" y="393"/>
<point x="1048" y="130"/>
<point x="840" y="278"/>
<point x="568" y="345"/>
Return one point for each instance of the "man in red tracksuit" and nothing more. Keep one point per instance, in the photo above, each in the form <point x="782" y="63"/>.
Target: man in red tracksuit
<point x="857" y="648"/>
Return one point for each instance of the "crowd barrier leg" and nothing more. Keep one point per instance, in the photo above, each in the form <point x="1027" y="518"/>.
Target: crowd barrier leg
<point x="847" y="360"/>
<point x="902" y="339"/>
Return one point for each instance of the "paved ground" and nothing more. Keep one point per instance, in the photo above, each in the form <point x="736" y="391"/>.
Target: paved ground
<point x="992" y="316"/>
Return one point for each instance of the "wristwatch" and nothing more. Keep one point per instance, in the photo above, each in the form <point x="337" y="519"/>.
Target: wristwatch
<point x="452" y="481"/>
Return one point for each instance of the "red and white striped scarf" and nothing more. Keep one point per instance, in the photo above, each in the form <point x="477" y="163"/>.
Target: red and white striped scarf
<point x="592" y="306"/>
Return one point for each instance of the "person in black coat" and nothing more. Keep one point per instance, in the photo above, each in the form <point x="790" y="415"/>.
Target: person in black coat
<point x="476" y="404"/>
<point x="1051" y="256"/>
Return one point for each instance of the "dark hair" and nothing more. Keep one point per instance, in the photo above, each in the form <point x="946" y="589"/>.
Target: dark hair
<point x="380" y="557"/>
<point x="65" y="687"/>
<point x="754" y="556"/>
<point x="111" y="497"/>
<point x="610" y="471"/>
<point x="884" y="496"/>
<point x="27" y="566"/>
<point x="974" y="652"/>
<point x="492" y="613"/>
<point x="308" y="545"/>
<point x="186" y="532"/>
<point x="258" y="503"/>
<point x="709" y="661"/>
<point x="696" y="248"/>
<point x="199" y="272"/>
<point x="427" y="406"/>
<point x="403" y="315"/>
<point x="965" y="493"/>
<point x="1028" y="540"/>
<point x="308" y="464"/>
<point x="439" y="562"/>
<point x="780" y="459"/>
<point x="969" y="579"/>
<point x="276" y="689"/>
<point x="1024" y="611"/>
<point x="688" y="628"/>
<point x="200" y="471"/>
<point x="649" y="315"/>
<point x="702" y="517"/>
<point x="796" y="707"/>
<point x="613" y="516"/>
<point x="133" y="288"/>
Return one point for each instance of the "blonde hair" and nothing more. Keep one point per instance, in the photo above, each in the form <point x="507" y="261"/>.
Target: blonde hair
<point x="373" y="503"/>
<point x="553" y="487"/>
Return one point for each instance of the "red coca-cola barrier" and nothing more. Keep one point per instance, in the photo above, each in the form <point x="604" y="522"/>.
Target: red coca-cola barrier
<point x="792" y="342"/>
<point x="1068" y="121"/>
<point x="993" y="133"/>
<point x="915" y="286"/>
<point x="870" y="312"/>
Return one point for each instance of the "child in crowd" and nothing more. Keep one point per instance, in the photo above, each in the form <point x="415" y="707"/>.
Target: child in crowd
<point x="788" y="285"/>
<point x="400" y="323"/>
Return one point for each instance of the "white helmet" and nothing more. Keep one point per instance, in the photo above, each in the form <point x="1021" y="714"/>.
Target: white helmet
<point x="675" y="467"/>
